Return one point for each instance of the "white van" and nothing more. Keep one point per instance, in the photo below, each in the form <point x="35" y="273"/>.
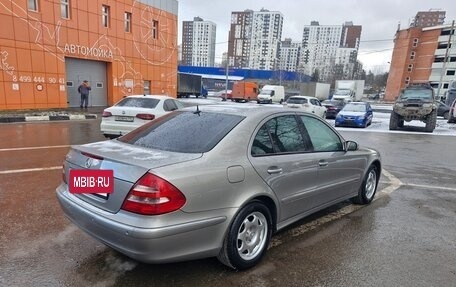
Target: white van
<point x="271" y="93"/>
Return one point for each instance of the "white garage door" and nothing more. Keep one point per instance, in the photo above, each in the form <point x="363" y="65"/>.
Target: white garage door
<point x="78" y="70"/>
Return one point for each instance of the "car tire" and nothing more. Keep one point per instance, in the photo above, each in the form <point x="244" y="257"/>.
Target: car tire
<point x="368" y="187"/>
<point x="431" y="122"/>
<point x="446" y="115"/>
<point x="247" y="238"/>
<point x="451" y="119"/>
<point x="394" y="118"/>
<point x="270" y="102"/>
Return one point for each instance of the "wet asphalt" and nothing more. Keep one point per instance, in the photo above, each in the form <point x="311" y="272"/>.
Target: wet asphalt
<point x="406" y="237"/>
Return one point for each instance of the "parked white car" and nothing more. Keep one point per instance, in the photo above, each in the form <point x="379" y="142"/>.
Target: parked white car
<point x="308" y="104"/>
<point x="134" y="111"/>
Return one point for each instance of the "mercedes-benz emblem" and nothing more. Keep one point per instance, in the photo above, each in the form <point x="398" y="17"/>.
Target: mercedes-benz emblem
<point x="88" y="162"/>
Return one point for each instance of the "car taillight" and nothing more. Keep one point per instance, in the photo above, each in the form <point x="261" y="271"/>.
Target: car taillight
<point x="106" y="114"/>
<point x="148" y="117"/>
<point x="152" y="195"/>
<point x="331" y="108"/>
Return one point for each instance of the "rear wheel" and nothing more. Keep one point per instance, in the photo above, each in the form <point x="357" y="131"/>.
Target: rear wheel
<point x="368" y="187"/>
<point x="248" y="237"/>
<point x="451" y="119"/>
<point x="431" y="122"/>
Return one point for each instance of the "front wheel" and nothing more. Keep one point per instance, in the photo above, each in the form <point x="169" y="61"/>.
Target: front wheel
<point x="431" y="122"/>
<point x="368" y="187"/>
<point x="394" y="118"/>
<point x="248" y="237"/>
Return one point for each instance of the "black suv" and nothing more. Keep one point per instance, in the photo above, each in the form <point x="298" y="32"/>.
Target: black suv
<point x="416" y="102"/>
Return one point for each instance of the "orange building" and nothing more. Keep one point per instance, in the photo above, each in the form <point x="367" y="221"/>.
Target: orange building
<point x="48" y="47"/>
<point x="412" y="59"/>
<point x="422" y="55"/>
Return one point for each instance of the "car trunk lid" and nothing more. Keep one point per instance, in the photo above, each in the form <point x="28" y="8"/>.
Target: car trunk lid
<point x="128" y="162"/>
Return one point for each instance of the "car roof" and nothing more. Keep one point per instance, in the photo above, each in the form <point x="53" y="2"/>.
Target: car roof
<point x="158" y="97"/>
<point x="241" y="110"/>
<point x="302" y="97"/>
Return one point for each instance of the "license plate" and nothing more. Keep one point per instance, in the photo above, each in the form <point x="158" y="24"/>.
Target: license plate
<point x="97" y="182"/>
<point x="124" y="119"/>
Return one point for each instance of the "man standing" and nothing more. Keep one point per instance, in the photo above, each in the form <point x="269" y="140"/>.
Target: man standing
<point x="84" y="90"/>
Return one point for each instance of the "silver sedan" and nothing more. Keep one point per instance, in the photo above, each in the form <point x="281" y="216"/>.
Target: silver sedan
<point x="213" y="181"/>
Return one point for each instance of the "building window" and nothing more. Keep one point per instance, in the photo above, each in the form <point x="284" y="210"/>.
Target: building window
<point x="154" y="29"/>
<point x="410" y="68"/>
<point x="407" y="81"/>
<point x="33" y="5"/>
<point x="450" y="72"/>
<point x="412" y="55"/>
<point x="105" y="16"/>
<point x="415" y="42"/>
<point x="127" y="22"/>
<point x="445" y="86"/>
<point x="65" y="9"/>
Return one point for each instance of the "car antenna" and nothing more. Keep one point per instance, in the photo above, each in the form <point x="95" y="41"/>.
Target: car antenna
<point x="197" y="112"/>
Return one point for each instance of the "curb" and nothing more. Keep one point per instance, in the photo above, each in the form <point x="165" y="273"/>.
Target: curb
<point x="19" y="119"/>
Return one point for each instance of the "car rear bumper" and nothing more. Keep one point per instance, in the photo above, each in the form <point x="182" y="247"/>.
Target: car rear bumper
<point x="117" y="128"/>
<point x="193" y="239"/>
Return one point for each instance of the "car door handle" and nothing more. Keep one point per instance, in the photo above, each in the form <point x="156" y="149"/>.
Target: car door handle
<point x="274" y="170"/>
<point x="323" y="163"/>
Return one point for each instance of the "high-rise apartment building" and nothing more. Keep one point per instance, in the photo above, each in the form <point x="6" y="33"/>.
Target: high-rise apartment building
<point x="428" y="18"/>
<point x="198" y="42"/>
<point x="254" y="39"/>
<point x="289" y="55"/>
<point x="330" y="50"/>
<point x="422" y="55"/>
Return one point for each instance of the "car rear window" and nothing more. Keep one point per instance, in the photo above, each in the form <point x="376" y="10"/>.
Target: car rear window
<point x="186" y="132"/>
<point x="297" y="101"/>
<point x="138" y="102"/>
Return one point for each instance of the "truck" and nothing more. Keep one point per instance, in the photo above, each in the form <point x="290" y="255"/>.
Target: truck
<point x="270" y="94"/>
<point x="189" y="84"/>
<point x="244" y="91"/>
<point x="317" y="90"/>
<point x="349" y="90"/>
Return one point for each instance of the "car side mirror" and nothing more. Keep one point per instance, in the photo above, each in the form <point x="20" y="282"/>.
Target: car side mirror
<point x="351" y="146"/>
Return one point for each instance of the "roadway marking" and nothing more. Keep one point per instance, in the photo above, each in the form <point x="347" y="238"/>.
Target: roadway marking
<point x="30" y="170"/>
<point x="32" y="148"/>
<point x="430" y="187"/>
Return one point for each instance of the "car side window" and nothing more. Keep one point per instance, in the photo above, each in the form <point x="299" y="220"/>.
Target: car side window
<point x="279" y="135"/>
<point x="315" y="102"/>
<point x="169" y="105"/>
<point x="262" y="143"/>
<point x="178" y="104"/>
<point x="323" y="138"/>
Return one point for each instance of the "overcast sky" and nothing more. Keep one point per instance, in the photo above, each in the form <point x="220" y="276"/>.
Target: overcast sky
<point x="379" y="20"/>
